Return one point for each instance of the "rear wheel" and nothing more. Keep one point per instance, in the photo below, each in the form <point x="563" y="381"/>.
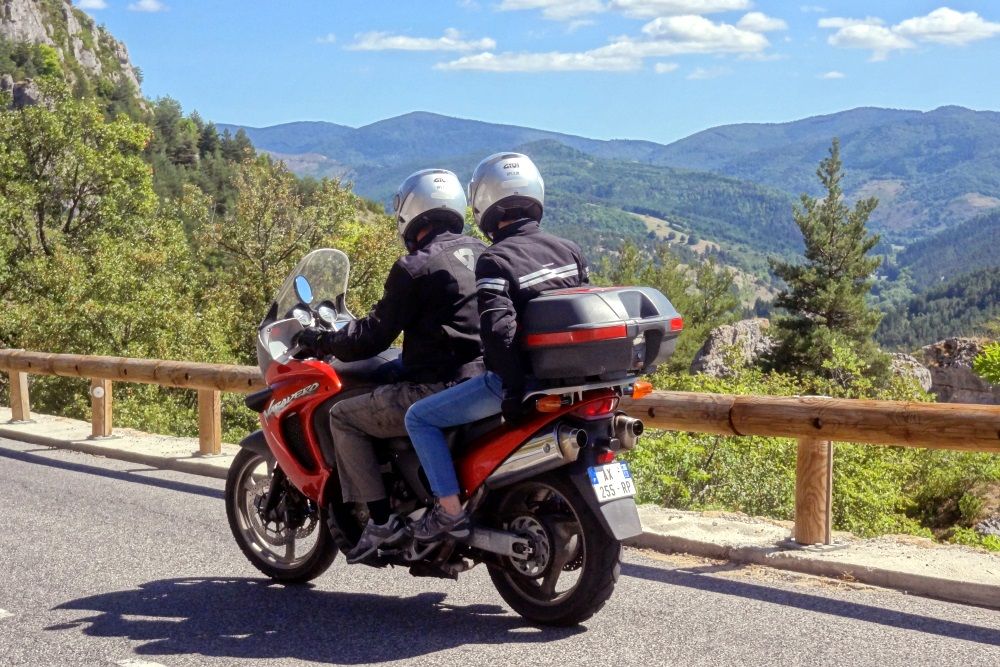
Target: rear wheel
<point x="283" y="535"/>
<point x="574" y="563"/>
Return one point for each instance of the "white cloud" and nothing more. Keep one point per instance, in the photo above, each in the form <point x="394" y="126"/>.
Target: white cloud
<point x="664" y="68"/>
<point x="760" y="22"/>
<point x="92" y="4"/>
<point x="575" y="25"/>
<point x="762" y="57"/>
<point x="875" y="38"/>
<point x="840" y="22"/>
<point x="150" y="6"/>
<point x="542" y="62"/>
<point x="941" y="26"/>
<point x="690" y="34"/>
<point x="450" y="41"/>
<point x="947" y="26"/>
<point x="328" y="38"/>
<point x="702" y="73"/>
<point x="833" y="74"/>
<point x="664" y="36"/>
<point x="646" y="9"/>
<point x="557" y="10"/>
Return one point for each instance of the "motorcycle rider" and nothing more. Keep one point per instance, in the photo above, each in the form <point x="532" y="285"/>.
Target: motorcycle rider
<point x="430" y="296"/>
<point x="507" y="195"/>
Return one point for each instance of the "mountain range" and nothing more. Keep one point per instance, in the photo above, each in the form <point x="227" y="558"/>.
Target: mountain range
<point x="930" y="170"/>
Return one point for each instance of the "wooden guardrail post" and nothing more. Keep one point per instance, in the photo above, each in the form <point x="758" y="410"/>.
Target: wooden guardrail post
<point x="814" y="492"/>
<point x="100" y="408"/>
<point x="209" y="422"/>
<point x="20" y="405"/>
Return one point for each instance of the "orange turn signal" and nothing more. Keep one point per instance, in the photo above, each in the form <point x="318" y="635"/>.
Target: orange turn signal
<point x="641" y="388"/>
<point x="548" y="403"/>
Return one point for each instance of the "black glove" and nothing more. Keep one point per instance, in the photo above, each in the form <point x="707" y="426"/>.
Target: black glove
<point x="514" y="410"/>
<point x="310" y="341"/>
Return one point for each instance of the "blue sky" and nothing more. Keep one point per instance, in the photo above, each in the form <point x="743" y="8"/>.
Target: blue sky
<point x="641" y="69"/>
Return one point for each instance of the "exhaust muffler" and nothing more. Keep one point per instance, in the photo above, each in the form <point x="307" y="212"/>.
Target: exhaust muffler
<point x="545" y="451"/>
<point x="627" y="430"/>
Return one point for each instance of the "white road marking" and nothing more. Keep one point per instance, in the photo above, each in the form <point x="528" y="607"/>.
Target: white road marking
<point x="5" y="614"/>
<point x="138" y="663"/>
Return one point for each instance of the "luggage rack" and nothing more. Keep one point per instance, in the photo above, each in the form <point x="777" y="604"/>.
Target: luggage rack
<point x="579" y="388"/>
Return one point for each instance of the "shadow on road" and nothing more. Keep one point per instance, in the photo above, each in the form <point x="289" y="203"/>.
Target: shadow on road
<point x="695" y="578"/>
<point x="125" y="476"/>
<point x="255" y="618"/>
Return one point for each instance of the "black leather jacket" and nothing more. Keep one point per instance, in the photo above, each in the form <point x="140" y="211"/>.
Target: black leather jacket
<point x="430" y="296"/>
<point x="522" y="263"/>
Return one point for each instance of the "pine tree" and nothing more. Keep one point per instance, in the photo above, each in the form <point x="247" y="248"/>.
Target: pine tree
<point x="827" y="314"/>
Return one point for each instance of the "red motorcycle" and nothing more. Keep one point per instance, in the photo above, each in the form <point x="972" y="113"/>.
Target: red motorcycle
<point x="549" y="501"/>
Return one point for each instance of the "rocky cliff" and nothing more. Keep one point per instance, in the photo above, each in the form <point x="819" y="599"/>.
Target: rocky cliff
<point x="950" y="363"/>
<point x="87" y="52"/>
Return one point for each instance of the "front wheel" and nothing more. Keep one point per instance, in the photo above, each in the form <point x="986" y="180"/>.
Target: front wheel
<point x="574" y="564"/>
<point x="280" y="531"/>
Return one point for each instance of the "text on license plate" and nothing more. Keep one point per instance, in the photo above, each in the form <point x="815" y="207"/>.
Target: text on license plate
<point x="612" y="481"/>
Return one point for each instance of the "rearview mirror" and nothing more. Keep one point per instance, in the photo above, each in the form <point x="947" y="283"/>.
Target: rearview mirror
<point x="303" y="290"/>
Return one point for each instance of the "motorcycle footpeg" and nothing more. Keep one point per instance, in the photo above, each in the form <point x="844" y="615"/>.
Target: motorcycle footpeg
<point x="418" y="551"/>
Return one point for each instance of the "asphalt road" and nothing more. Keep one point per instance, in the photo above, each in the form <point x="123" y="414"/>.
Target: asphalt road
<point x="109" y="563"/>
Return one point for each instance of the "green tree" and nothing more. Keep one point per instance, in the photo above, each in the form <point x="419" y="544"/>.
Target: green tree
<point x="65" y="174"/>
<point x="271" y="226"/>
<point x="825" y="295"/>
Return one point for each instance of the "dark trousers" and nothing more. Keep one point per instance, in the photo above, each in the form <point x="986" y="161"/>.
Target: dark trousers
<point x="357" y="421"/>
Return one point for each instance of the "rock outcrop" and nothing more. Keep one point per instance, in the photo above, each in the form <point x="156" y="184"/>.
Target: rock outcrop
<point x="953" y="380"/>
<point x="905" y="365"/>
<point x="990" y="526"/>
<point x="741" y="343"/>
<point x="72" y="33"/>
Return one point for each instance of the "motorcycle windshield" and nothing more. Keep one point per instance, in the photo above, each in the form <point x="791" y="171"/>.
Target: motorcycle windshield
<point x="325" y="273"/>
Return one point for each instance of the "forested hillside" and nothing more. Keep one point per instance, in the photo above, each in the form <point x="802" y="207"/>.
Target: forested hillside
<point x="958" y="307"/>
<point x="930" y="170"/>
<point x="971" y="246"/>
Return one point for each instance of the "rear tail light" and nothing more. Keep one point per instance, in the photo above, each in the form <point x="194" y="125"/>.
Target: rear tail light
<point x="604" y="457"/>
<point x="603" y="407"/>
<point x="577" y="336"/>
<point x="677" y="324"/>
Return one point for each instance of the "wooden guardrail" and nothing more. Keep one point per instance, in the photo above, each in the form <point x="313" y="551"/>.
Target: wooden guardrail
<point x="815" y="422"/>
<point x="208" y="379"/>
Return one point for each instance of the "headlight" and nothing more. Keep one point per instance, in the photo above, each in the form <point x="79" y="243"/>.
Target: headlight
<point x="304" y="317"/>
<point x="327" y="314"/>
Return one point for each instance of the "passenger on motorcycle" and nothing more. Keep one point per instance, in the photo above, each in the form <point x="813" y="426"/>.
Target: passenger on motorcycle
<point x="430" y="296"/>
<point x="507" y="196"/>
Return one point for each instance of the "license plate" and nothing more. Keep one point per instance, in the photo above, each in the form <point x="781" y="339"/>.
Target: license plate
<point x="612" y="481"/>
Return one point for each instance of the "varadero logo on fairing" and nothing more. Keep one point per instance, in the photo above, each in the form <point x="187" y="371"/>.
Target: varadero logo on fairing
<point x="278" y="406"/>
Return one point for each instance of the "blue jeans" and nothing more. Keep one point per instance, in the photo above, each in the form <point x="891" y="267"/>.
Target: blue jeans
<point x="466" y="402"/>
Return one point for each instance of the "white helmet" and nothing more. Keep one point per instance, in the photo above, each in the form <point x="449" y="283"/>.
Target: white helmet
<point x="505" y="184"/>
<point x="428" y="196"/>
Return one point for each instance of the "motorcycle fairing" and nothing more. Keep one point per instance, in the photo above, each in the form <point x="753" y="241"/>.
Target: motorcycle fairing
<point x="300" y="388"/>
